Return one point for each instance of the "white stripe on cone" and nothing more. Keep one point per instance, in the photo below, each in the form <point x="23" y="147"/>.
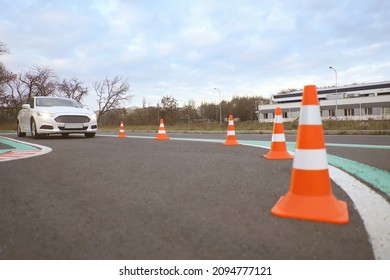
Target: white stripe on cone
<point x="278" y="119"/>
<point x="278" y="138"/>
<point x="231" y="132"/>
<point x="310" y="115"/>
<point x="310" y="159"/>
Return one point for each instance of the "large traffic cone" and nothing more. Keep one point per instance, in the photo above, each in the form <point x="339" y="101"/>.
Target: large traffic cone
<point x="310" y="196"/>
<point x="278" y="142"/>
<point x="231" y="134"/>
<point x="121" y="131"/>
<point x="161" y="132"/>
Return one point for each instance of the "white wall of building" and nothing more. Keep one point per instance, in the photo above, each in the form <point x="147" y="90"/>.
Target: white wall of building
<point x="359" y="108"/>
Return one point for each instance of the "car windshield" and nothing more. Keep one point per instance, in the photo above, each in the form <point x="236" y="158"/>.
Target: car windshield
<point x="50" y="102"/>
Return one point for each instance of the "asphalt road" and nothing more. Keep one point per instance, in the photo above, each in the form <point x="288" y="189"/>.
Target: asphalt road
<point x="127" y="198"/>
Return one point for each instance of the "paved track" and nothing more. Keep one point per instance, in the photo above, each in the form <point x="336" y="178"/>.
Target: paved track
<point x="110" y="198"/>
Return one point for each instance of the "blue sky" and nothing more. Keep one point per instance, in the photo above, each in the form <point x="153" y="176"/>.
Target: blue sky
<point x="187" y="48"/>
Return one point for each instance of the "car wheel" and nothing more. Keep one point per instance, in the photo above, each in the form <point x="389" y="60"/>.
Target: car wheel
<point x="90" y="134"/>
<point x="19" y="130"/>
<point x="34" y="133"/>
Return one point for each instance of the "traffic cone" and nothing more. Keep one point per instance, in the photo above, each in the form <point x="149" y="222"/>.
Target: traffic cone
<point x="278" y="142"/>
<point x="231" y="135"/>
<point x="121" y="131"/>
<point x="161" y="132"/>
<point x="310" y="195"/>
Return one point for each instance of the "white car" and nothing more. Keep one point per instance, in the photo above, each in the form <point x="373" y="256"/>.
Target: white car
<point x="54" y="115"/>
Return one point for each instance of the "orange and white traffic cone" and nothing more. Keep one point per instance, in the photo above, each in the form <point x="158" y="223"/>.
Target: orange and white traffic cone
<point x="231" y="134"/>
<point x="121" y="131"/>
<point x="310" y="196"/>
<point x="278" y="143"/>
<point x="161" y="132"/>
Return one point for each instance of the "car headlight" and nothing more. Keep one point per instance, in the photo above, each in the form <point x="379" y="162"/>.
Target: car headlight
<point x="93" y="116"/>
<point x="45" y="115"/>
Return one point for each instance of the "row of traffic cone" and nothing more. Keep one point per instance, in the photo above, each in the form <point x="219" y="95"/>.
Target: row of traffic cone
<point x="162" y="135"/>
<point x="310" y="195"/>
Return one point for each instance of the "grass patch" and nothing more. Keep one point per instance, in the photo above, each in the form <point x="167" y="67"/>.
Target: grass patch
<point x="357" y="125"/>
<point x="7" y="126"/>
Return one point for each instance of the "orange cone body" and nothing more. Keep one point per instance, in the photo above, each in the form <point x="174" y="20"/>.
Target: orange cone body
<point x="278" y="143"/>
<point x="310" y="195"/>
<point x="231" y="134"/>
<point x="121" y="131"/>
<point x="161" y="135"/>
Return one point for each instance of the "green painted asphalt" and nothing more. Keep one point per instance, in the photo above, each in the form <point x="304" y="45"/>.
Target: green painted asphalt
<point x="378" y="178"/>
<point x="360" y="146"/>
<point x="15" y="145"/>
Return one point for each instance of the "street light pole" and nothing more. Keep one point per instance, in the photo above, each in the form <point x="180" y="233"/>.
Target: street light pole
<point x="220" y="108"/>
<point x="335" y="113"/>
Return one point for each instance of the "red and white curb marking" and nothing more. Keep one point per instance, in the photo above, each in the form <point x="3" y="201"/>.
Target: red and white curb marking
<point x="17" y="154"/>
<point x="14" y="154"/>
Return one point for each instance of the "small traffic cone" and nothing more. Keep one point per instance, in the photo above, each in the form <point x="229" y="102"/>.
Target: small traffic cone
<point x="121" y="131"/>
<point x="161" y="132"/>
<point x="231" y="134"/>
<point x="278" y="142"/>
<point x="310" y="196"/>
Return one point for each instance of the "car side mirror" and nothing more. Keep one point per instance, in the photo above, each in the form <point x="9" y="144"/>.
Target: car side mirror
<point x="26" y="106"/>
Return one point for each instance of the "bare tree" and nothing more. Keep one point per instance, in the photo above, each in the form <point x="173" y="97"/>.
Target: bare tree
<point x="5" y="77"/>
<point x="40" y="81"/>
<point x="4" y="74"/>
<point x="21" y="87"/>
<point x="17" y="93"/>
<point x="3" y="48"/>
<point x="73" y="89"/>
<point x="170" y="109"/>
<point x="169" y="103"/>
<point x="112" y="94"/>
<point x="188" y="111"/>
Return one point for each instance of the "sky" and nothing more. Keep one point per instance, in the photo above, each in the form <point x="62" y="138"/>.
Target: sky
<point x="187" y="48"/>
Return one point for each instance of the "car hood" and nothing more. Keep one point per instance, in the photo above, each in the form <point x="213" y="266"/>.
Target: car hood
<point x="65" y="110"/>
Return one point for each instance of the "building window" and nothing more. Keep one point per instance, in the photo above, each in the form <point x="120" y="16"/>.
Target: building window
<point x="349" y="112"/>
<point x="284" y="115"/>
<point x="265" y="116"/>
<point x="332" y="113"/>
<point x="368" y="111"/>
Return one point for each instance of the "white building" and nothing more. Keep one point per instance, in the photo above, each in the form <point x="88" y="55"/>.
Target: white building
<point x="357" y="102"/>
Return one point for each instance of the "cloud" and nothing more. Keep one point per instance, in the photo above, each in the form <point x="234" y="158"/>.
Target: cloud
<point x="186" y="48"/>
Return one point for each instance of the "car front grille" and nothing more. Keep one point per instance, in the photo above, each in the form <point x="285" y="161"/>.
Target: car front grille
<point x="72" y="119"/>
<point x="72" y="129"/>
